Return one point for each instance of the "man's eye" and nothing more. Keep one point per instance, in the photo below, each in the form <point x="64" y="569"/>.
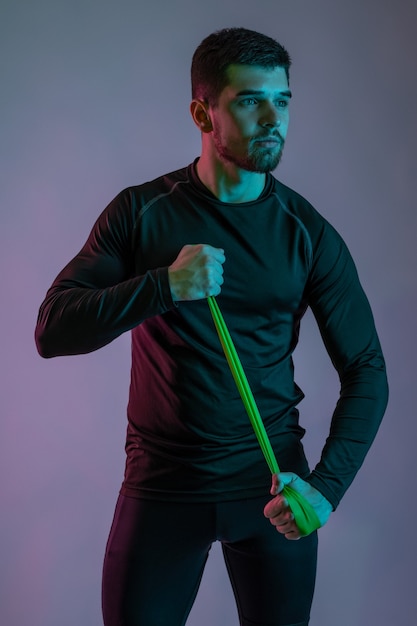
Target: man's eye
<point x="249" y="102"/>
<point x="282" y="104"/>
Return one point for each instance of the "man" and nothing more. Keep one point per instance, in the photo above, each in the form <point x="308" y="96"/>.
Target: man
<point x="224" y="227"/>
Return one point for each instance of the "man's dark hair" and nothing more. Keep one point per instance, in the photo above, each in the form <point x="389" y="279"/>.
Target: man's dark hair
<point x="232" y="46"/>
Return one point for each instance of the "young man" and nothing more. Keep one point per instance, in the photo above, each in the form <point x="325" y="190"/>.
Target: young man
<point x="223" y="226"/>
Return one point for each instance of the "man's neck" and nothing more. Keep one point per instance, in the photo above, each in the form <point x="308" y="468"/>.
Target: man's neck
<point x="230" y="183"/>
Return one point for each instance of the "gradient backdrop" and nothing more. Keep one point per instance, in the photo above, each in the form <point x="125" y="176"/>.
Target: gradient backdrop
<point x="94" y="97"/>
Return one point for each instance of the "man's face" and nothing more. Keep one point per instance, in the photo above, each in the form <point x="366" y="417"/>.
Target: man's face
<point x="250" y="120"/>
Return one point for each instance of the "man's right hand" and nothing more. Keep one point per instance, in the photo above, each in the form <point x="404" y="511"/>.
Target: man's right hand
<point x="197" y="272"/>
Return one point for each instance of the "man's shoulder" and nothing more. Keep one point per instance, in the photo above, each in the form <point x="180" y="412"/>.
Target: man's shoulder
<point x="137" y="199"/>
<point x="164" y="183"/>
<point x="307" y="216"/>
<point x="292" y="199"/>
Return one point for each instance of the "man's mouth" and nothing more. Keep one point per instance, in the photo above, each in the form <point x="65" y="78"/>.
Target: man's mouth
<point x="268" y="142"/>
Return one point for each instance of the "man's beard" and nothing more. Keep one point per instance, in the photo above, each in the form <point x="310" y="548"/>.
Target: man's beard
<point x="257" y="159"/>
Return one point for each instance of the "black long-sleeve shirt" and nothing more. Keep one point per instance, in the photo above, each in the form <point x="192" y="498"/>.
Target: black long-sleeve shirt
<point x="188" y="435"/>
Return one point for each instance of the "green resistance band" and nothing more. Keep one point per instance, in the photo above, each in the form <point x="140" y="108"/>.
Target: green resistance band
<point x="304" y="514"/>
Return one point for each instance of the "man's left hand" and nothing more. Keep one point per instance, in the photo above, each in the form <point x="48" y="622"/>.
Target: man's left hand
<point x="279" y="513"/>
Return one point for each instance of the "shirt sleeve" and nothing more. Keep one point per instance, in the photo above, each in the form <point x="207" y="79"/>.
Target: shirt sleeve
<point x="97" y="296"/>
<point x="347" y="327"/>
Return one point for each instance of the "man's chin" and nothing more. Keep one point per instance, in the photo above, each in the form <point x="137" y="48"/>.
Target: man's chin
<point x="265" y="165"/>
<point x="265" y="161"/>
<point x="261" y="162"/>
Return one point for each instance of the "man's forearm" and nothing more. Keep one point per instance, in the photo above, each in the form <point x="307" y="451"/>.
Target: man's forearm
<point x="76" y="320"/>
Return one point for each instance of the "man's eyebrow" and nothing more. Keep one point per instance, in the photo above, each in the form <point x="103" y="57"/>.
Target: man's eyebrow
<point x="259" y="92"/>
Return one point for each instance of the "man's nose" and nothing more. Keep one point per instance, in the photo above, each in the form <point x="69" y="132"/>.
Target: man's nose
<point x="271" y="116"/>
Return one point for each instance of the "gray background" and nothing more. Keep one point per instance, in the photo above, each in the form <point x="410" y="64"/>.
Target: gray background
<point x="94" y="97"/>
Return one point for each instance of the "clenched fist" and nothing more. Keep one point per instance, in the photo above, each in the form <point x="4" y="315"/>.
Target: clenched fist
<point x="197" y="272"/>
<point x="278" y="511"/>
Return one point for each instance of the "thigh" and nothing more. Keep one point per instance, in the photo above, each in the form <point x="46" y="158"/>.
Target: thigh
<point x="154" y="561"/>
<point x="272" y="578"/>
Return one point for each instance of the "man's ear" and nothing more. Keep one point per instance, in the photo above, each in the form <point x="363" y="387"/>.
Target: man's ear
<point x="200" y="115"/>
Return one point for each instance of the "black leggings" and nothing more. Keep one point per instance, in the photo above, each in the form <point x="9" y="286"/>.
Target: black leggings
<point x="156" y="554"/>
